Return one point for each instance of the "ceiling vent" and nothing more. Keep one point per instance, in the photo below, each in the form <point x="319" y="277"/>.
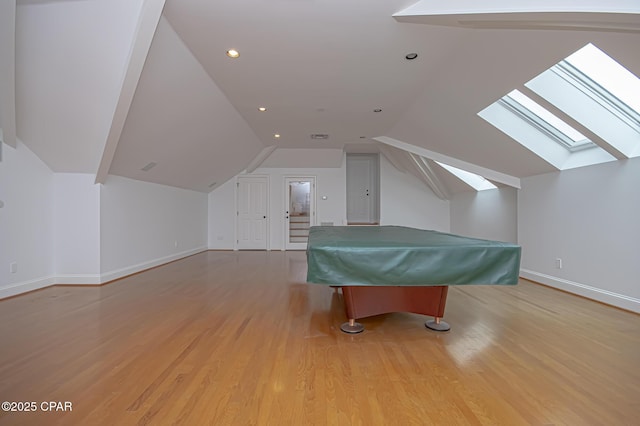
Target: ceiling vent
<point x="319" y="136"/>
<point x="149" y="166"/>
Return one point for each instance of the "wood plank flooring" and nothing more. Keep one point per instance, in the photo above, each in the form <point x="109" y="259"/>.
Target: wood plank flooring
<point x="239" y="338"/>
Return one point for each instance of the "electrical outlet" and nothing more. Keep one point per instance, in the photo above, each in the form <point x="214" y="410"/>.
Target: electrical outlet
<point x="220" y="238"/>
<point x="175" y="243"/>
<point x="13" y="267"/>
<point x="558" y="263"/>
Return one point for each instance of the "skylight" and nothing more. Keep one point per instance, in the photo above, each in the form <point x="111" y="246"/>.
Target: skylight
<point x="592" y="91"/>
<point x="599" y="93"/>
<point x="609" y="74"/>
<point x="477" y="182"/>
<point x="545" y="121"/>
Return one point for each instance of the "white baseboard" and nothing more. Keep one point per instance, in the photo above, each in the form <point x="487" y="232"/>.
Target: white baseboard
<point x="23" y="287"/>
<point x="119" y="273"/>
<point x="91" y="279"/>
<point x="598" y="294"/>
<point x="78" y="279"/>
<point x="219" y="248"/>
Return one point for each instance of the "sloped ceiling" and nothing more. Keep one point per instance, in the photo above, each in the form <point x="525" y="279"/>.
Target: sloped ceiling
<point x="317" y="66"/>
<point x="181" y="120"/>
<point x="488" y="65"/>
<point x="70" y="61"/>
<point x="7" y="74"/>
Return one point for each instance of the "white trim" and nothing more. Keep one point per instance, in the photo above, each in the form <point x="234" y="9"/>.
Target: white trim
<point x="285" y="196"/>
<point x="119" y="273"/>
<point x="391" y="156"/>
<point x="551" y="130"/>
<point x="428" y="176"/>
<point x="616" y="106"/>
<point x="91" y="279"/>
<point x="8" y="123"/>
<point x="23" y="287"/>
<point x="148" y="20"/>
<point x="78" y="279"/>
<point x="435" y="156"/>
<point x="598" y="294"/>
<point x="260" y="158"/>
<point x="267" y="179"/>
<point x="572" y="122"/>
<point x="614" y="16"/>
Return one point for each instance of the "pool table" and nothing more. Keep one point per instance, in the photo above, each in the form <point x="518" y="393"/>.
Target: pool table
<point x="383" y="269"/>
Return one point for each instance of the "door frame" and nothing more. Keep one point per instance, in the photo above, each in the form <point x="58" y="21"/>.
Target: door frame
<point x="268" y="219"/>
<point x="312" y="208"/>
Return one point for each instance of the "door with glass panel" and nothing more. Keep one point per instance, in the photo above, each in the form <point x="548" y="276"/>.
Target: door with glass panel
<point x="299" y="211"/>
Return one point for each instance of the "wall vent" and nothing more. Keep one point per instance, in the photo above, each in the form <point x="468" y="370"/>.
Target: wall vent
<point x="149" y="166"/>
<point x="319" y="136"/>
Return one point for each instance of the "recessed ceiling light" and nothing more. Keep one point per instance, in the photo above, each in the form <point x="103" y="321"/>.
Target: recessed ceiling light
<point x="233" y="53"/>
<point x="377" y="110"/>
<point x="411" y="56"/>
<point x="263" y="109"/>
<point x="277" y="135"/>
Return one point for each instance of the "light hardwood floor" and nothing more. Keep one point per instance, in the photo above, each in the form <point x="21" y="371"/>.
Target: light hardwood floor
<point x="239" y="338"/>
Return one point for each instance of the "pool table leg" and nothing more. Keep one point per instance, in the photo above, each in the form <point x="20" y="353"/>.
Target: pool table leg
<point x="437" y="324"/>
<point x="352" y="327"/>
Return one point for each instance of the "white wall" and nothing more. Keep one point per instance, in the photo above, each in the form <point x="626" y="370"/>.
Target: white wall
<point x="63" y="228"/>
<point x="406" y="201"/>
<point x="65" y="107"/>
<point x="26" y="221"/>
<point x="222" y="216"/>
<point x="588" y="217"/>
<point x="76" y="235"/>
<point x="144" y="224"/>
<point x="490" y="214"/>
<point x="330" y="182"/>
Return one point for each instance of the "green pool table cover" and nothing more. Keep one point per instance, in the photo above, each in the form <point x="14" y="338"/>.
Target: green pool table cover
<point x="397" y="255"/>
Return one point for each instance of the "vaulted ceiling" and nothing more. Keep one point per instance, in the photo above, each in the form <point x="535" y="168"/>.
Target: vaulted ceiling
<point x="109" y="86"/>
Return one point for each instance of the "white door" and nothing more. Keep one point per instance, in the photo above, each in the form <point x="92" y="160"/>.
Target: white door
<point x="299" y="211"/>
<point x="362" y="188"/>
<point x="252" y="213"/>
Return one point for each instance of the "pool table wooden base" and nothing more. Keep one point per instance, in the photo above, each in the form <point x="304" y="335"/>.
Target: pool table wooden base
<point x="366" y="301"/>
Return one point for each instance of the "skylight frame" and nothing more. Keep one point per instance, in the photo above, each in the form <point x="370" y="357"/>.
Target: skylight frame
<point x="591" y="89"/>
<point x="598" y="92"/>
<point x="543" y="125"/>
<point x="580" y="80"/>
